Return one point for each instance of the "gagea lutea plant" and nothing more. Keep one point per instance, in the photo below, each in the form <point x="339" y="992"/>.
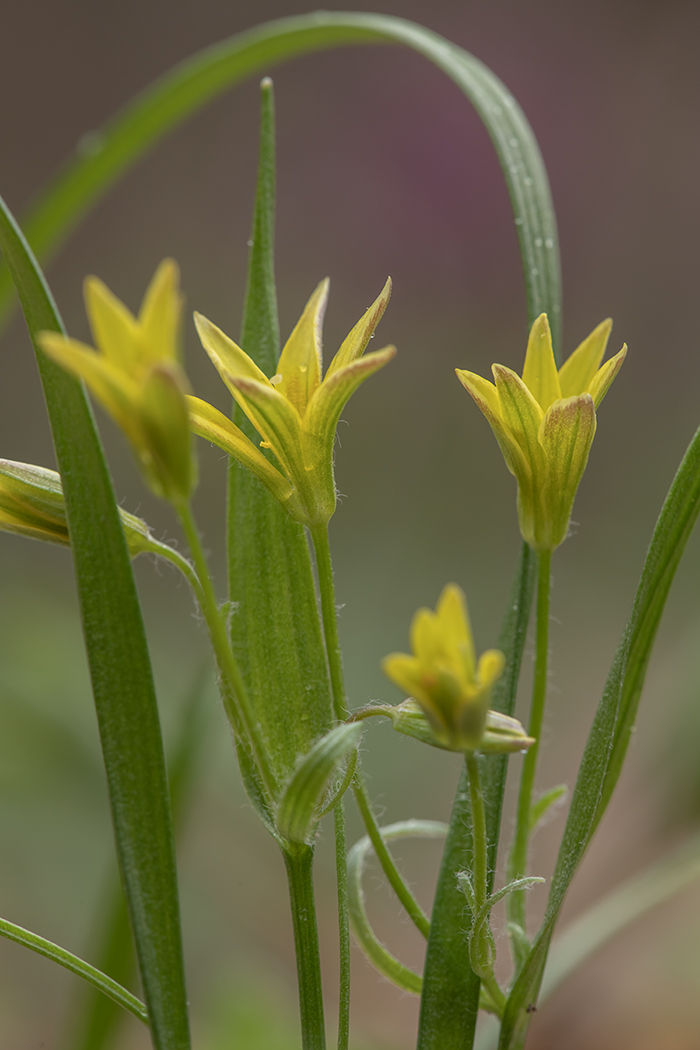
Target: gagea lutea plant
<point x="295" y="730"/>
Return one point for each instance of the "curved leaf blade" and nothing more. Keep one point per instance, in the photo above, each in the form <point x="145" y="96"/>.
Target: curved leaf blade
<point x="190" y="85"/>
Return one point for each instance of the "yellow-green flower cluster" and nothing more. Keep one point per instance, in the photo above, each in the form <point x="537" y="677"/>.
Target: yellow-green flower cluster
<point x="443" y="676"/>
<point x="295" y="411"/>
<point x="545" y="423"/>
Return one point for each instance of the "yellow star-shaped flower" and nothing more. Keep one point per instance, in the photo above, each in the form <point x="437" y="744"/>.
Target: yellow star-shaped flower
<point x="442" y="674"/>
<point x="137" y="377"/>
<point x="545" y="424"/>
<point x="295" y="412"/>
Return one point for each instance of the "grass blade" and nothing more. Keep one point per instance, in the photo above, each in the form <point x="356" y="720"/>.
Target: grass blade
<point x="119" y="666"/>
<point x="190" y="85"/>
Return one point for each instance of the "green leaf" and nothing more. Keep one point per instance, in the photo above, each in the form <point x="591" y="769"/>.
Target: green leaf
<point x="380" y="957"/>
<point x="100" y="1016"/>
<point x="119" y="666"/>
<point x="298" y="811"/>
<point x="274" y="626"/>
<point x="77" y="966"/>
<point x="197" y="80"/>
<point x="543" y="804"/>
<point x="613" y="723"/>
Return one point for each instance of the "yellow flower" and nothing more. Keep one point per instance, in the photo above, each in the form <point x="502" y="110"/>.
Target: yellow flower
<point x="443" y="675"/>
<point x="295" y="412"/>
<point x="545" y="423"/>
<point x="32" y="504"/>
<point x="137" y="376"/>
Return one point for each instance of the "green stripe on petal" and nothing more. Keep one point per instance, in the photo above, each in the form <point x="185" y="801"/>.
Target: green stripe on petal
<point x="520" y="413"/>
<point x="114" y="328"/>
<point x="577" y="372"/>
<point x="277" y="422"/>
<point x="321" y="419"/>
<point x="355" y="344"/>
<point x="605" y="375"/>
<point x="540" y="371"/>
<point x="212" y="425"/>
<point x="301" y="359"/>
<point x="227" y="356"/>
<point x="566" y="434"/>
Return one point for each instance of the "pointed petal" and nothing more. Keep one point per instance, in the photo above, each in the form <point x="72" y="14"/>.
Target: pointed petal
<point x="577" y="372"/>
<point x="116" y="391"/>
<point x="456" y="630"/>
<point x="566" y="435"/>
<point x="114" y="328"/>
<point x="521" y="414"/>
<point x="277" y="421"/>
<point x="605" y="375"/>
<point x="160" y="311"/>
<point x="540" y="371"/>
<point x="486" y="397"/>
<point x="300" y="361"/>
<point x="321" y="419"/>
<point x="214" y="426"/>
<point x="227" y="356"/>
<point x="355" y="344"/>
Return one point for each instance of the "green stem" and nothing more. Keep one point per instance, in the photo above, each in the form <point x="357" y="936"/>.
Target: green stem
<point x="517" y="864"/>
<point x="480" y="864"/>
<point x="234" y="692"/>
<point x="324" y="569"/>
<point x="341" y="855"/>
<point x="299" y="863"/>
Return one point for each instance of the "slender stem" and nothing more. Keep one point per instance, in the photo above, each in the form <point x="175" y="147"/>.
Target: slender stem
<point x="413" y="909"/>
<point x="234" y="692"/>
<point x="517" y="865"/>
<point x="299" y="863"/>
<point x="480" y="865"/>
<point x="341" y="854"/>
<point x="324" y="569"/>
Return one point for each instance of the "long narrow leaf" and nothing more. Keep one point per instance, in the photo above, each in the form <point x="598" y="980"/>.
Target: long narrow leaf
<point x="119" y="666"/>
<point x="275" y="629"/>
<point x="188" y="86"/>
<point x="613" y="724"/>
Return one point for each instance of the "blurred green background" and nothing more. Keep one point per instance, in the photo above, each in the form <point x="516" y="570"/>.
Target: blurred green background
<point x="383" y="169"/>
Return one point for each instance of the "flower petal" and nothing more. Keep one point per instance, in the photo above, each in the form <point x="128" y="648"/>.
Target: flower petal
<point x="322" y="415"/>
<point x="160" y="312"/>
<point x="486" y="397"/>
<point x="404" y="671"/>
<point x="277" y="421"/>
<point x="167" y="453"/>
<point x="566" y="434"/>
<point x="355" y="344"/>
<point x="577" y="372"/>
<point x="116" y="391"/>
<point x="605" y="375"/>
<point x="114" y="328"/>
<point x="300" y="361"/>
<point x="540" y="371"/>
<point x="227" y="356"/>
<point x="521" y="414"/>
<point x="456" y="630"/>
<point x="214" y="426"/>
